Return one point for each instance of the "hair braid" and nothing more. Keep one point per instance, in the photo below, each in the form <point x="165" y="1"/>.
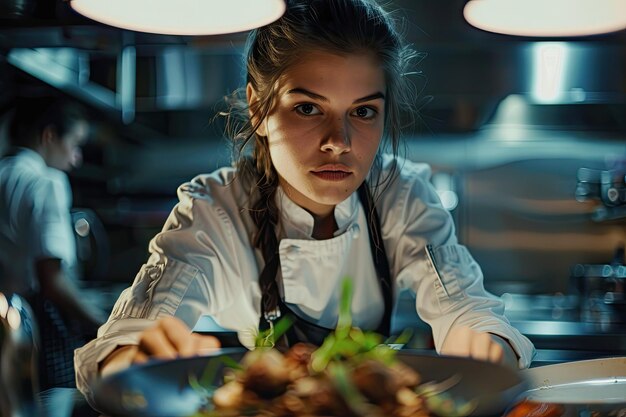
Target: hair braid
<point x="265" y="216"/>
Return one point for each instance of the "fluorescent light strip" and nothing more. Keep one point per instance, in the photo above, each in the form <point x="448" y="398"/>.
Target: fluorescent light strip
<point x="550" y="65"/>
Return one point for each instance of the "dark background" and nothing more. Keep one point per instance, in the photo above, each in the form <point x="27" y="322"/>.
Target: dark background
<point x="510" y="162"/>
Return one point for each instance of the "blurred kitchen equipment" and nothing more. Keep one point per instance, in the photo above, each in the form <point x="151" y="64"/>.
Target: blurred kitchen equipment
<point x="15" y="9"/>
<point x="601" y="290"/>
<point x="18" y="359"/>
<point x="161" y="388"/>
<point x="607" y="186"/>
<point x="601" y="286"/>
<point x="92" y="244"/>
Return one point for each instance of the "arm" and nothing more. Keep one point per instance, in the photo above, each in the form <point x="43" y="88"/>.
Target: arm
<point x="184" y="278"/>
<point x="465" y="341"/>
<point x="63" y="293"/>
<point x="190" y="273"/>
<point x="167" y="339"/>
<point x="466" y="320"/>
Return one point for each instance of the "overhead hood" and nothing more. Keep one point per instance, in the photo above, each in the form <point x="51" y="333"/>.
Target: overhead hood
<point x="468" y="72"/>
<point x="146" y="78"/>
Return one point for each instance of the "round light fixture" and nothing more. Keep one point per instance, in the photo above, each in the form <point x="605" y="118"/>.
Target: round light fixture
<point x="182" y="17"/>
<point x="547" y="18"/>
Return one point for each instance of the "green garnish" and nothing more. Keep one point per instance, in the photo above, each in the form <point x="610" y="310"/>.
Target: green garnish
<point x="342" y="351"/>
<point x="267" y="338"/>
<point x="206" y="383"/>
<point x="347" y="342"/>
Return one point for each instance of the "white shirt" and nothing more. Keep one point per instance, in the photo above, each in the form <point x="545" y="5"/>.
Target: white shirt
<point x="203" y="263"/>
<point x="35" y="220"/>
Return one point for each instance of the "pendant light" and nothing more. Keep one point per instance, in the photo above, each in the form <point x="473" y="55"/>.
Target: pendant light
<point x="547" y="18"/>
<point x="182" y="17"/>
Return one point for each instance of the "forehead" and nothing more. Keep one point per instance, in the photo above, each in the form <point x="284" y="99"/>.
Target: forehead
<point x="357" y="74"/>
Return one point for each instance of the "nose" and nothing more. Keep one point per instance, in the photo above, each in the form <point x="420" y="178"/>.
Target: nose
<point x="77" y="157"/>
<point x="338" y="139"/>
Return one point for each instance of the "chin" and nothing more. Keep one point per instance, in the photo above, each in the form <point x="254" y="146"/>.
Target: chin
<point x="332" y="197"/>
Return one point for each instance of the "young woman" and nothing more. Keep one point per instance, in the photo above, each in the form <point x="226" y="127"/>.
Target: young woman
<point x="313" y="201"/>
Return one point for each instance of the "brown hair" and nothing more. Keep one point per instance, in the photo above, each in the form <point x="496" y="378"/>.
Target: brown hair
<point x="336" y="26"/>
<point x="33" y="114"/>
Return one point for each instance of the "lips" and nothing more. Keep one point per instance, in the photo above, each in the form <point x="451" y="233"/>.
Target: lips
<point x="333" y="167"/>
<point x="332" y="172"/>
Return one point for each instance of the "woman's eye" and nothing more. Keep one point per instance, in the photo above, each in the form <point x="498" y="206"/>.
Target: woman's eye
<point x="365" y="112"/>
<point x="307" y="109"/>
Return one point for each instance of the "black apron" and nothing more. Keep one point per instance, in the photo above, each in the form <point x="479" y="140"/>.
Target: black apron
<point x="303" y="330"/>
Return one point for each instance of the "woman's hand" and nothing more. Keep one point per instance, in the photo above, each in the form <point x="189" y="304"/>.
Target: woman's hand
<point x="169" y="338"/>
<point x="465" y="341"/>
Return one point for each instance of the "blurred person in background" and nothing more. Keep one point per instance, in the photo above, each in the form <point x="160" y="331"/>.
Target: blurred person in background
<point x="37" y="245"/>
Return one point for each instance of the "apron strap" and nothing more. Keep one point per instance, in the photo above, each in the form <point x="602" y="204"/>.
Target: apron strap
<point x="301" y="328"/>
<point x="381" y="263"/>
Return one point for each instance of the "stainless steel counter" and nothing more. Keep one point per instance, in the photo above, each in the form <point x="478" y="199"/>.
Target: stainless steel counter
<point x="550" y="322"/>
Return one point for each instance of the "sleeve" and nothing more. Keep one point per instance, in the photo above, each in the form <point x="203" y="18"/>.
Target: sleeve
<point x="427" y="258"/>
<point x="51" y="227"/>
<point x="162" y="287"/>
<point x="184" y="277"/>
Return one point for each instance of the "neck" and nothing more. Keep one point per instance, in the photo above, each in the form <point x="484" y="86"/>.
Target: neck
<point x="36" y="148"/>
<point x="324" y="227"/>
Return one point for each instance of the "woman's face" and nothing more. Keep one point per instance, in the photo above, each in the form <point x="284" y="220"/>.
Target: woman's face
<point x="325" y="127"/>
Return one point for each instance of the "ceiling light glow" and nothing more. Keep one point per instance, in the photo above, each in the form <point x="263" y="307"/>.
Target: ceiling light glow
<point x="547" y="18"/>
<point x="182" y="17"/>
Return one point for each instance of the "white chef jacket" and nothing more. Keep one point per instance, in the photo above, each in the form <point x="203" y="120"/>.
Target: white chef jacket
<point x="203" y="263"/>
<point x="35" y="220"/>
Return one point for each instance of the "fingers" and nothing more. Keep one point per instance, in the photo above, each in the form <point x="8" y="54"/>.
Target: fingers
<point x="170" y="338"/>
<point x="205" y="344"/>
<point x="178" y="335"/>
<point x="496" y="353"/>
<point x="481" y="344"/>
<point x="457" y="342"/>
<point x="154" y="342"/>
<point x="140" y="357"/>
<point x="464" y="341"/>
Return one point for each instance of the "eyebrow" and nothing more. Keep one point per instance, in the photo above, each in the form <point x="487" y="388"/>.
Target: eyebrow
<point x="315" y="96"/>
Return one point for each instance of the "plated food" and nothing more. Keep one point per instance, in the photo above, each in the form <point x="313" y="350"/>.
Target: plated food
<point x="301" y="383"/>
<point x="353" y="373"/>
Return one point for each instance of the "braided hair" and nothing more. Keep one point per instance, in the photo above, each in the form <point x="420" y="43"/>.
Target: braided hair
<point x="335" y="26"/>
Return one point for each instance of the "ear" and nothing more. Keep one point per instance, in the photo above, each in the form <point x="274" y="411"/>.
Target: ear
<point x="48" y="135"/>
<point x="252" y="97"/>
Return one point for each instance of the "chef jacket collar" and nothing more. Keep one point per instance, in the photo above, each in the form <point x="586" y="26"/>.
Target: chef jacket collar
<point x="32" y="158"/>
<point x="297" y="223"/>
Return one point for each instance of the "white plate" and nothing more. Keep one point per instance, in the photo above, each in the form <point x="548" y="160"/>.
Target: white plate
<point x="596" y="381"/>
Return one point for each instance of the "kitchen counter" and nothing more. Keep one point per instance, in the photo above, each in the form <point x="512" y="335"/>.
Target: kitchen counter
<point x="551" y="322"/>
<point x="557" y="340"/>
<point x="565" y="341"/>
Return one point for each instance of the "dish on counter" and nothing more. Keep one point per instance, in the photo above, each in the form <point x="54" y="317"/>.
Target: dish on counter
<point x="353" y="374"/>
<point x="165" y="388"/>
